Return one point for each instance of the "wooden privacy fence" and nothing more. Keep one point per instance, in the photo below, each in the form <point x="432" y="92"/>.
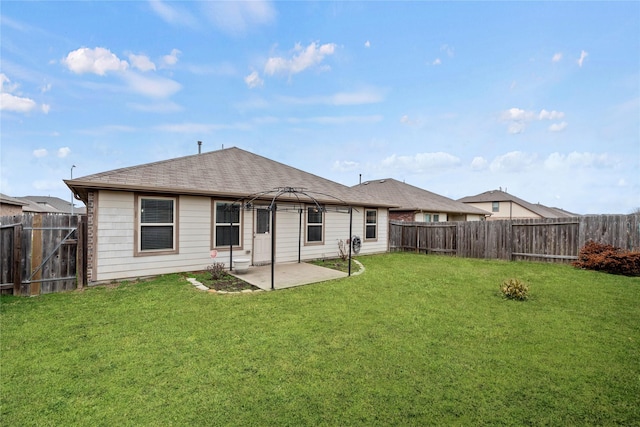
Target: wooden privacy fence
<point x="42" y="253"/>
<point x="553" y="240"/>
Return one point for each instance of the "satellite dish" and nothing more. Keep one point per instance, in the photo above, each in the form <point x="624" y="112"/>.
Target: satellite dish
<point x="356" y="244"/>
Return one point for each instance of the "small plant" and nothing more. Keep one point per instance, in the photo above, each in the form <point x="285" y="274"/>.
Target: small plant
<point x="216" y="270"/>
<point x="515" y="289"/>
<point x="343" y="249"/>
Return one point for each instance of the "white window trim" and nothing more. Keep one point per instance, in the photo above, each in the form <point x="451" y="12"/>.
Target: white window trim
<point x="307" y="225"/>
<point x="215" y="224"/>
<point x="138" y="251"/>
<point x="366" y="224"/>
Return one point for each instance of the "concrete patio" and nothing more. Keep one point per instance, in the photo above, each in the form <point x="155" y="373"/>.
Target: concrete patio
<point x="288" y="275"/>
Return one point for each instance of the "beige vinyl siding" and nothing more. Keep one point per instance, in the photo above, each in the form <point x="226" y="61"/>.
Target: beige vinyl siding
<point x="115" y="231"/>
<point x="506" y="209"/>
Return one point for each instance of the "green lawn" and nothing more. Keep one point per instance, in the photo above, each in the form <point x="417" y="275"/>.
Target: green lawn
<point x="414" y="340"/>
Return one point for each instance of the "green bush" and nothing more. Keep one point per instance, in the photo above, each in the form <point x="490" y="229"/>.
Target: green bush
<point x="515" y="289"/>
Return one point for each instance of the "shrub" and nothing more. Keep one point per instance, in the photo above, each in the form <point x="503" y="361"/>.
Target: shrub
<point x="515" y="289"/>
<point x="216" y="270"/>
<point x="609" y="259"/>
<point x="343" y="249"/>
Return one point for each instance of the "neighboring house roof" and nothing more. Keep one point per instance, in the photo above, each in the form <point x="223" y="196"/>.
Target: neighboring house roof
<point x="230" y="172"/>
<point x="8" y="200"/>
<point x="502" y="196"/>
<point x="410" y="198"/>
<point x="49" y="204"/>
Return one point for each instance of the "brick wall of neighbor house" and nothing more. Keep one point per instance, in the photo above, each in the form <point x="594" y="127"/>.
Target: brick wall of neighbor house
<point x="402" y="216"/>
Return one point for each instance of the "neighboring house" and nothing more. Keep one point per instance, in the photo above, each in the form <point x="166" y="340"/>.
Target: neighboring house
<point x="48" y="204"/>
<point x="10" y="205"/>
<point x="169" y="216"/>
<point x="416" y="204"/>
<point x="503" y="205"/>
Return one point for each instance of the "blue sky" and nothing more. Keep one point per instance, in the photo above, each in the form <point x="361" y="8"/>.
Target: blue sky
<point x="540" y="98"/>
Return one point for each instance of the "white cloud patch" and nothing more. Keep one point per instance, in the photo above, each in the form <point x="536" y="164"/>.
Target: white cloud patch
<point x="253" y="80"/>
<point x="583" y="56"/>
<point x="406" y="120"/>
<point x="171" y="59"/>
<point x="345" y="165"/>
<point x="519" y="119"/>
<point x="238" y="17"/>
<point x="421" y="162"/>
<point x="437" y="61"/>
<point x="448" y="50"/>
<point x="63" y="152"/>
<point x="97" y="61"/>
<point x="151" y="86"/>
<point x="367" y="96"/>
<point x="558" y="127"/>
<point x="40" y="152"/>
<point x="367" y="44"/>
<point x="141" y="62"/>
<point x="557" y="57"/>
<point x="558" y="161"/>
<point x="173" y="15"/>
<point x="301" y="59"/>
<point x="11" y="102"/>
<point x="514" y="161"/>
<point x="45" y="108"/>
<point x="479" y="163"/>
<point x="161" y="107"/>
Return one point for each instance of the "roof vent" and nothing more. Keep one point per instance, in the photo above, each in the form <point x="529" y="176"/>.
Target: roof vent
<point x="365" y="183"/>
<point x="382" y="180"/>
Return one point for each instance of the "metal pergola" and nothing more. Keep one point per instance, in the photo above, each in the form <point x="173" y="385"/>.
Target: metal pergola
<point x="295" y="195"/>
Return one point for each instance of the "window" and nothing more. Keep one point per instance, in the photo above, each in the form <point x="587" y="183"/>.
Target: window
<point x="495" y="206"/>
<point x="157" y="225"/>
<point x="436" y="218"/>
<point x="227" y="224"/>
<point x="371" y="224"/>
<point x="315" y="224"/>
<point x="427" y="217"/>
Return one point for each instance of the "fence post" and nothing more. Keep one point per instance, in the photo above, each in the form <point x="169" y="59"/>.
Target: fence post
<point x="36" y="254"/>
<point x="17" y="256"/>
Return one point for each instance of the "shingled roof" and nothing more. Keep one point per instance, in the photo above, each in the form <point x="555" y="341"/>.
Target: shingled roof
<point x="503" y="196"/>
<point x="410" y="198"/>
<point x="230" y="172"/>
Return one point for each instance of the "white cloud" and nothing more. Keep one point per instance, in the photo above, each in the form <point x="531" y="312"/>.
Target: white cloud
<point x="367" y="96"/>
<point x="162" y="107"/>
<point x="98" y="61"/>
<point x="46" y="88"/>
<point x="253" y="80"/>
<point x="550" y="115"/>
<point x="583" y="56"/>
<point x="171" y="59"/>
<point x="557" y="57"/>
<point x="152" y="86"/>
<point x="436" y="61"/>
<point x="578" y="160"/>
<point x="301" y="59"/>
<point x="141" y="62"/>
<point x="10" y="102"/>
<point x="345" y="165"/>
<point x="63" y="152"/>
<point x="40" y="152"/>
<point x="448" y="50"/>
<point x="479" y="163"/>
<point x="45" y="108"/>
<point x="558" y="127"/>
<point x="519" y="119"/>
<point x="173" y="15"/>
<point x="367" y="44"/>
<point x="238" y="17"/>
<point x="514" y="161"/>
<point x="421" y="162"/>
<point x="406" y="120"/>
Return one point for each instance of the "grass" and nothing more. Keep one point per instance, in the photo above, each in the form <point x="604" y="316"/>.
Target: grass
<point x="415" y="340"/>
